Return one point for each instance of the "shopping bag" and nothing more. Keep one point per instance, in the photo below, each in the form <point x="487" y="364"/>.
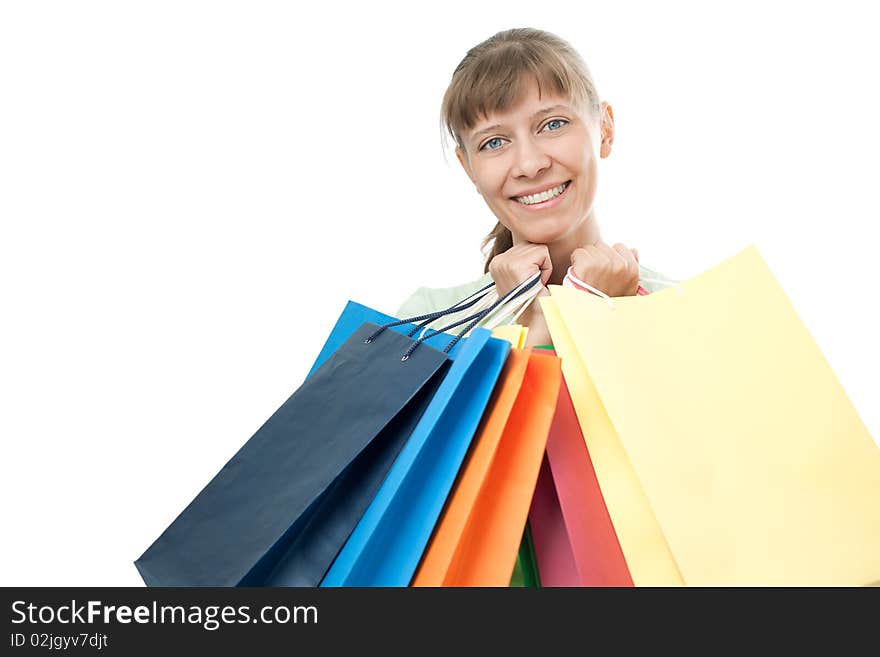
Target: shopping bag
<point x="477" y="540"/>
<point x="552" y="545"/>
<point x="451" y="525"/>
<point x="307" y="556"/>
<point x="525" y="571"/>
<point x="592" y="539"/>
<point x="238" y="526"/>
<point x="755" y="462"/>
<point x="647" y="555"/>
<point x="385" y="547"/>
<point x="515" y="334"/>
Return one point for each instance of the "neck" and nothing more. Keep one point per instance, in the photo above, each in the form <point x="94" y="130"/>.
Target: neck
<point x="586" y="232"/>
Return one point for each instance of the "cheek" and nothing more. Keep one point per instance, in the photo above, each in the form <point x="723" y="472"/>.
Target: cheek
<point x="488" y="182"/>
<point x="588" y="178"/>
<point x="576" y="155"/>
<point x="580" y="163"/>
<point x="585" y="198"/>
<point x="586" y="171"/>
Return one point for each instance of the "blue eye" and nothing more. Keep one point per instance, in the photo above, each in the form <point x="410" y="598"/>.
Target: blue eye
<point x="560" y="122"/>
<point x="492" y="141"/>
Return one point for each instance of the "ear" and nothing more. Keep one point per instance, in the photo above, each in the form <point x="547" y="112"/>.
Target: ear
<point x="463" y="160"/>
<point x="606" y="129"/>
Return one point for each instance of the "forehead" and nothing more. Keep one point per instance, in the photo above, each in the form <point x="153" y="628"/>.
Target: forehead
<point x="529" y="105"/>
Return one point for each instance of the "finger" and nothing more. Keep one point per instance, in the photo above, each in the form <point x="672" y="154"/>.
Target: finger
<point x="635" y="253"/>
<point x="599" y="252"/>
<point x="628" y="257"/>
<point x="577" y="254"/>
<point x="606" y="249"/>
<point x="545" y="266"/>
<point x="616" y="259"/>
<point x="539" y="255"/>
<point x="611" y="250"/>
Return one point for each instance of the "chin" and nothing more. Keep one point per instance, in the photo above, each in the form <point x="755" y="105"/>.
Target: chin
<point x="546" y="235"/>
<point x="542" y="238"/>
<point x="558" y="231"/>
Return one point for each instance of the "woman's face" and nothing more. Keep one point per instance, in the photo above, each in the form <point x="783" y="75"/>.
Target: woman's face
<point x="535" y="164"/>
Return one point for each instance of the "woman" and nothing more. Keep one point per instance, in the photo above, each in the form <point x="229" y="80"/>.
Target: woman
<point x="529" y="131"/>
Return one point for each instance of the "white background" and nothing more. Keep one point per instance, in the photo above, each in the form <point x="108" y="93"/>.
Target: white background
<point x="189" y="193"/>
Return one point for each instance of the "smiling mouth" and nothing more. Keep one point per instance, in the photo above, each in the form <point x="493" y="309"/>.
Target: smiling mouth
<point x="534" y="199"/>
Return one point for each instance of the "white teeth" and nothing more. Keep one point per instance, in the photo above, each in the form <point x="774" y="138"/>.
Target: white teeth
<point x="531" y="199"/>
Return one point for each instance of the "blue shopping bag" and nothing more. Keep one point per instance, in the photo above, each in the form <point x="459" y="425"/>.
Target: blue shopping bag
<point x="387" y="544"/>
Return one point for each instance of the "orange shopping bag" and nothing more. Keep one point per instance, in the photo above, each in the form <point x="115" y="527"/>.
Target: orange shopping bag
<point x="477" y="539"/>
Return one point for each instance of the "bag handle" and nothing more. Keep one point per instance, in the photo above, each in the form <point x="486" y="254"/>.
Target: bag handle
<point x="430" y="317"/>
<point x="515" y="303"/>
<point x="473" y="319"/>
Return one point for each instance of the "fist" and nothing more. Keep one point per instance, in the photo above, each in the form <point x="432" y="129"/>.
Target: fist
<point x="613" y="270"/>
<point x="518" y="264"/>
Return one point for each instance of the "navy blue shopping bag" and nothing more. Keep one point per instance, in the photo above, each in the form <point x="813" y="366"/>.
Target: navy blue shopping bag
<point x="281" y="508"/>
<point x="309" y="554"/>
<point x="232" y="533"/>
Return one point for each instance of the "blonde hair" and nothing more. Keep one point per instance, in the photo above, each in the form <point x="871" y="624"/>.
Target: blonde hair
<point x="494" y="75"/>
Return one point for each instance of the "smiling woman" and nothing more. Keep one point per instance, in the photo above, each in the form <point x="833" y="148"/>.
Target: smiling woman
<point x="529" y="131"/>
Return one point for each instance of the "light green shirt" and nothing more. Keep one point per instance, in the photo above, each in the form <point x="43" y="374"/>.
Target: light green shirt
<point x="427" y="300"/>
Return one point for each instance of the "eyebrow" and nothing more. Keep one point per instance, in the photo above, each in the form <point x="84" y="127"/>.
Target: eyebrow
<point x="536" y="115"/>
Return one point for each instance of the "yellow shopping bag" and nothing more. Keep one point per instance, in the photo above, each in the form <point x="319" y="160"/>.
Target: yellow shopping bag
<point x="515" y="334"/>
<point x="641" y="540"/>
<point x="755" y="464"/>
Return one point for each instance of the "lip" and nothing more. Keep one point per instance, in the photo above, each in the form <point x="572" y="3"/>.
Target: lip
<point x="546" y="204"/>
<point x="538" y="190"/>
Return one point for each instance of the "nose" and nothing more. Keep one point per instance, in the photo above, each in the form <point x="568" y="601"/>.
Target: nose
<point x="530" y="159"/>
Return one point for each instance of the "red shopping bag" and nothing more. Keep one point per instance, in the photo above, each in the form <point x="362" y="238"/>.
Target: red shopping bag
<point x="578" y="515"/>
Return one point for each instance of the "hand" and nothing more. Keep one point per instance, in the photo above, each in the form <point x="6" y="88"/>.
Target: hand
<point x="518" y="264"/>
<point x="613" y="270"/>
